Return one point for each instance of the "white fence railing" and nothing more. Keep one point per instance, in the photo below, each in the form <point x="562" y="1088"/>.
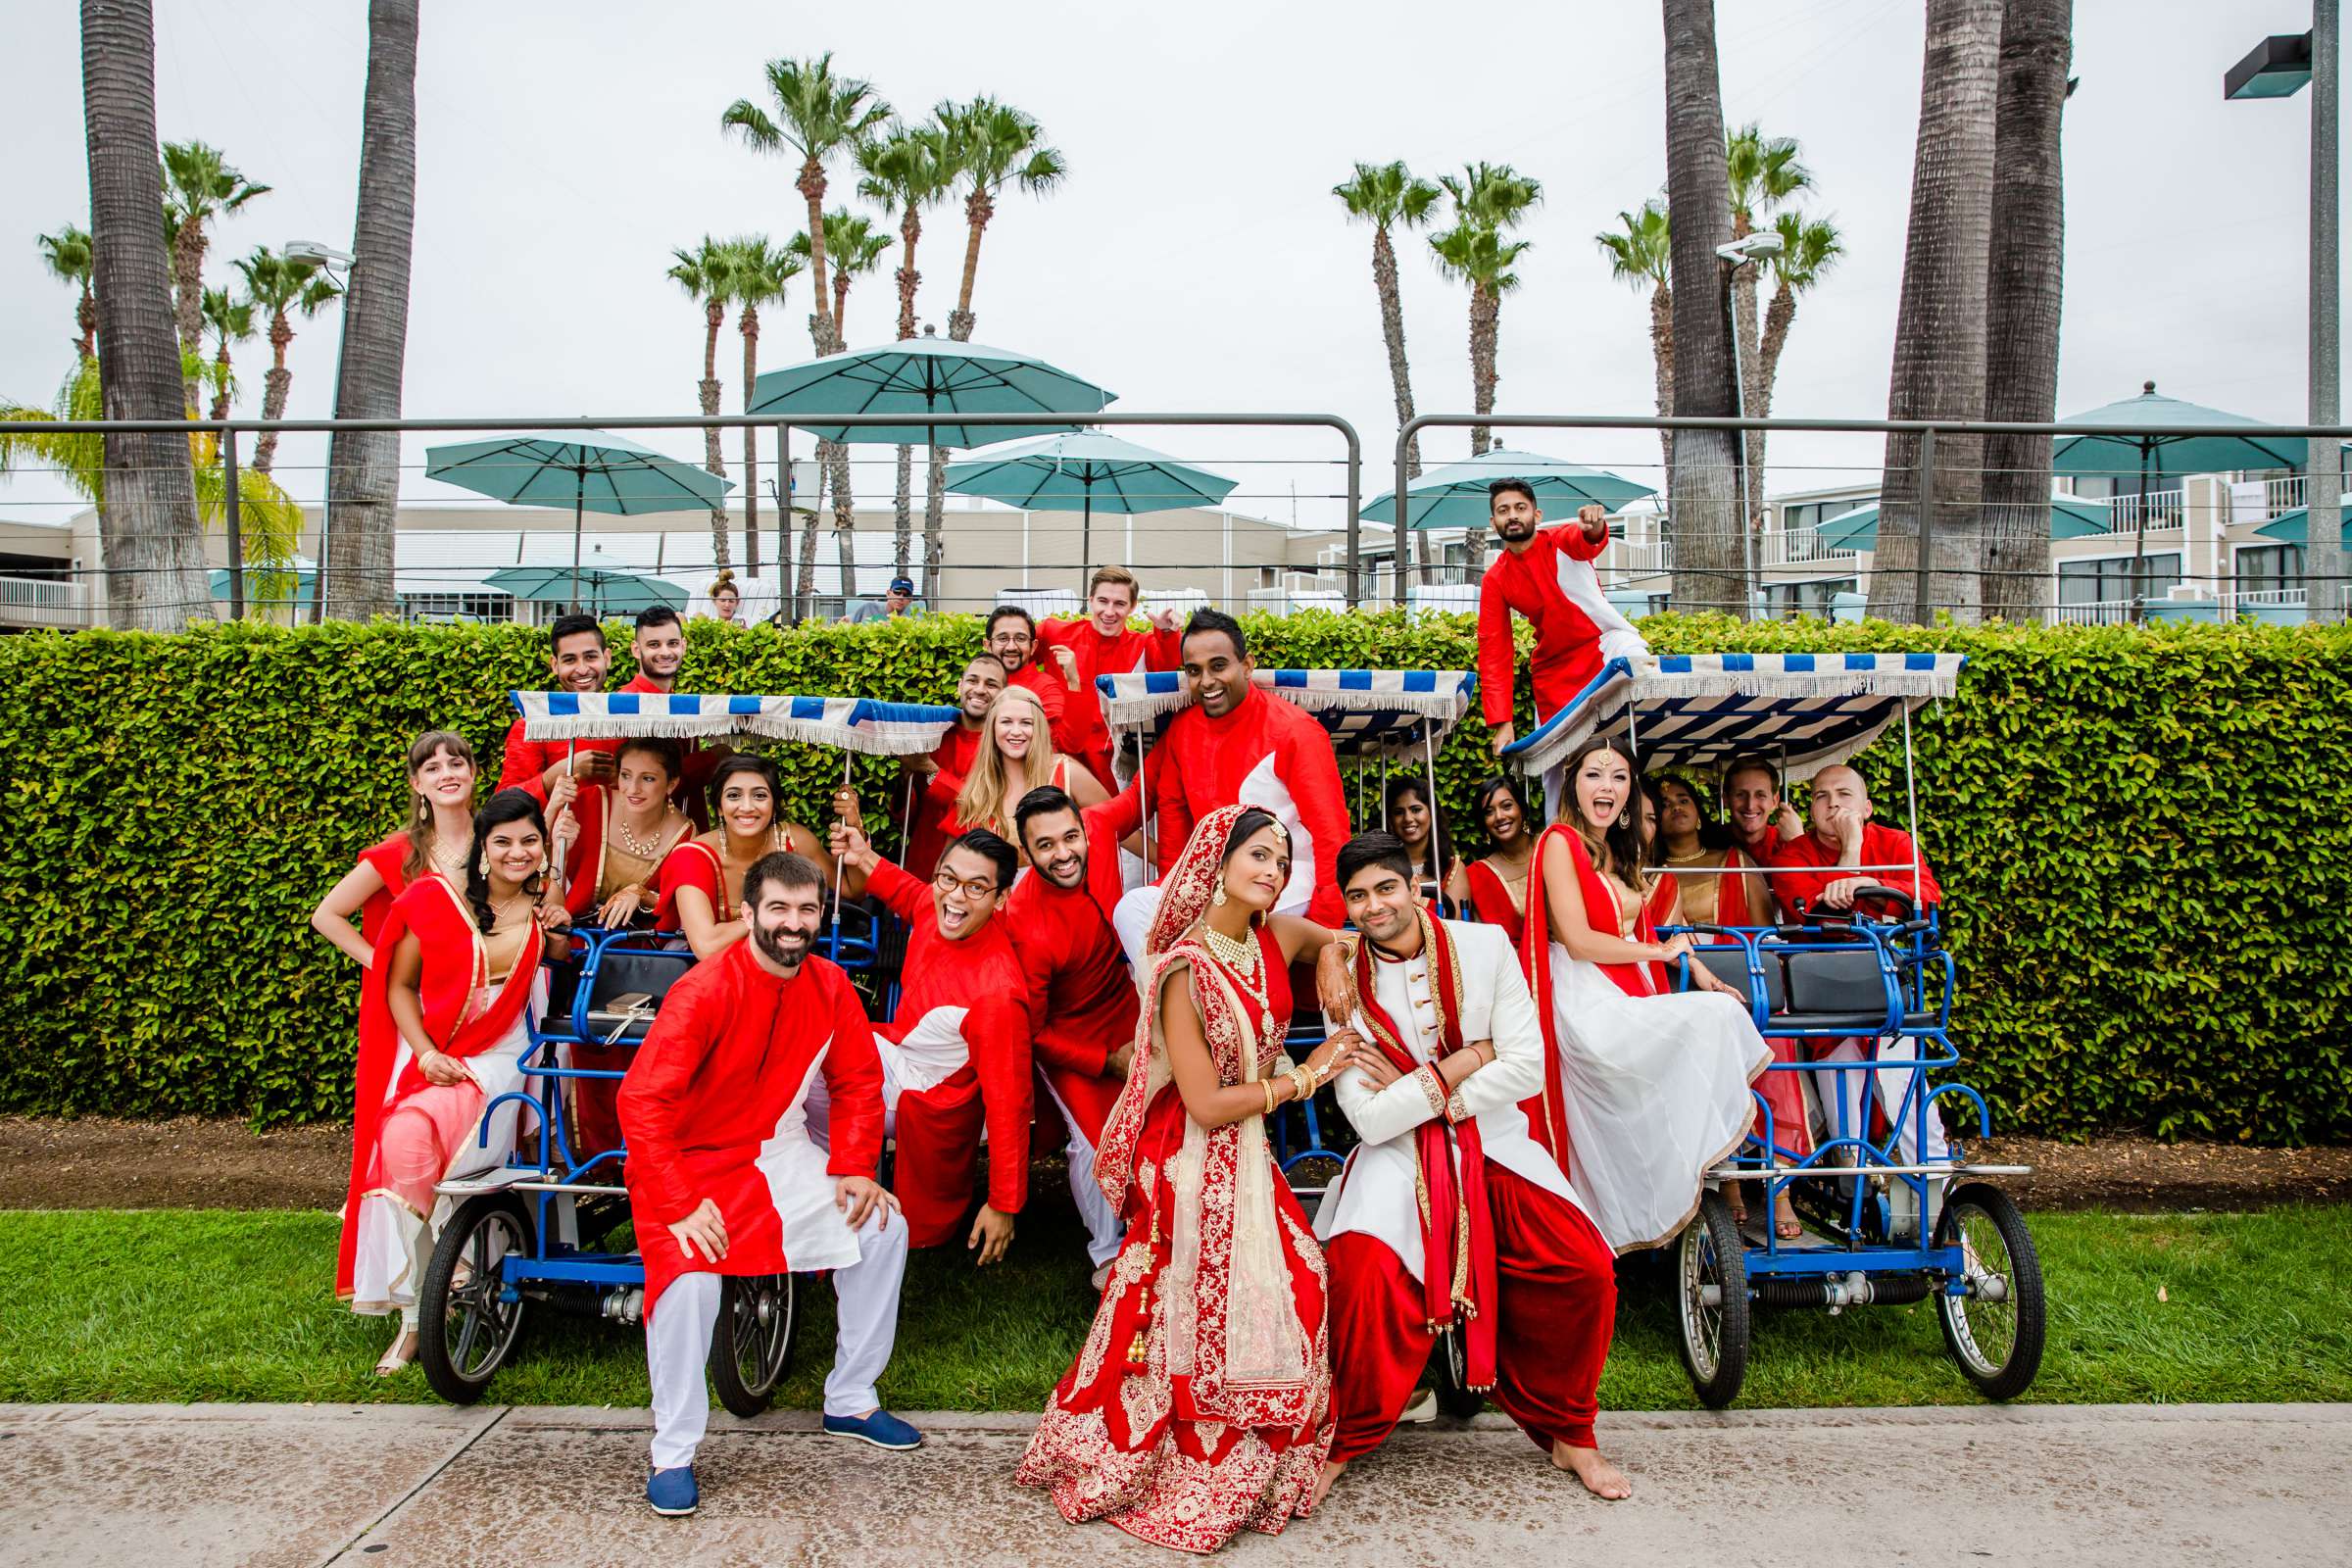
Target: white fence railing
<point x="2096" y="613"/>
<point x="35" y="602"/>
<point x="1788" y="547"/>
<point x="2166" y="508"/>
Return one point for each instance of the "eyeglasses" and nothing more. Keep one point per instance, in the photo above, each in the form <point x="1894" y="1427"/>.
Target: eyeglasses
<point x="948" y="882"/>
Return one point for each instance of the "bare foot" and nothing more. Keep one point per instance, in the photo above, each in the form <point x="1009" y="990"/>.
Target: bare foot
<point x="1600" y="1478"/>
<point x="1332" y="1471"/>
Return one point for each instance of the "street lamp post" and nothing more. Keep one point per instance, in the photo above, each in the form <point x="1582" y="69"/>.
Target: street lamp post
<point x="2278" y="67"/>
<point x="1737" y="254"/>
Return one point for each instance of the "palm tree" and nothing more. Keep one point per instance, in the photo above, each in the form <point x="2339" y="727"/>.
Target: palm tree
<point x="147" y="518"/>
<point x="705" y="273"/>
<point x="1764" y="172"/>
<point x="2023" y="289"/>
<point x="1488" y="199"/>
<point x="281" y="286"/>
<point x="1809" y="248"/>
<point x="362" y="470"/>
<point x="1639" y="255"/>
<point x="1939" y="327"/>
<point x="992" y="145"/>
<point x="1389" y="196"/>
<point x="857" y="251"/>
<point x="904" y="172"/>
<point x="1703" y="500"/>
<point x="199" y="189"/>
<point x="818" y="115"/>
<point x="231" y="323"/>
<point x="757" y="273"/>
<point x="67" y="255"/>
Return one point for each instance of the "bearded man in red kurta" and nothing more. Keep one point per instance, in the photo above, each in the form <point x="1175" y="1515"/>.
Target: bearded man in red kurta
<point x="956" y="1054"/>
<point x="939" y="777"/>
<point x="728" y="1174"/>
<point x="1051" y="675"/>
<point x="1547" y="576"/>
<point x="1082" y="996"/>
<point x="1103" y="644"/>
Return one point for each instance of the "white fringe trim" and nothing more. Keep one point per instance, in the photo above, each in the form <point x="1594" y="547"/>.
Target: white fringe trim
<point x="629" y="727"/>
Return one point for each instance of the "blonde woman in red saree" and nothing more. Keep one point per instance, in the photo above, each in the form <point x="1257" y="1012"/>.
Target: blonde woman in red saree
<point x="1200" y="1404"/>
<point x="1646" y="1088"/>
<point x="442" y="1033"/>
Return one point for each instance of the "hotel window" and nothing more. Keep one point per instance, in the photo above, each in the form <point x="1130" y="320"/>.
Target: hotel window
<point x="1813" y="597"/>
<point x="2107" y="579"/>
<point x="2268" y="569"/>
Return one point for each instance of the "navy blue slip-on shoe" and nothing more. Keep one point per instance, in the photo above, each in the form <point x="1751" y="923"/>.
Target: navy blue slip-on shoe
<point x="672" y="1493"/>
<point x="881" y="1428"/>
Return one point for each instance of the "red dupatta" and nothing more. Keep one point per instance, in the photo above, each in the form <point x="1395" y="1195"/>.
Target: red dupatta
<point x="1457" y="1234"/>
<point x="691" y="864"/>
<point x="1545" y="1116"/>
<point x="455" y="966"/>
<point x="390" y="863"/>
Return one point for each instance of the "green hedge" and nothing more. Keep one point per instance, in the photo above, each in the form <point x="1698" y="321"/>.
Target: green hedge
<point x="2144" y="836"/>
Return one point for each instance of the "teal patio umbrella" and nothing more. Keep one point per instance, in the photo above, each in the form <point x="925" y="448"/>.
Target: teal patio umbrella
<point x="610" y="592"/>
<point x="2069" y="519"/>
<point x="586" y="471"/>
<point x="2294" y="527"/>
<point x="2176" y="439"/>
<point x="1456" y="496"/>
<point x="928" y="380"/>
<point x="1085" y="471"/>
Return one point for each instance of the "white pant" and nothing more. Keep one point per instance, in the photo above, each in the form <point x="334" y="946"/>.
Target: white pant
<point x="1104" y="1231"/>
<point x="677" y="1338"/>
<point x="1894" y="1083"/>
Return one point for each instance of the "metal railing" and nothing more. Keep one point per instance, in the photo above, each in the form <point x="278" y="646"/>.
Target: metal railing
<point x="34" y="603"/>
<point x="1799" y="546"/>
<point x="2162" y="509"/>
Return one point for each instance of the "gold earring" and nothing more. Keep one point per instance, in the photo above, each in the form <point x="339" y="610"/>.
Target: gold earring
<point x="1218" y="898"/>
<point x="483" y="865"/>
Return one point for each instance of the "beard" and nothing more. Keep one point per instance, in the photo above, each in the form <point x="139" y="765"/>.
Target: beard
<point x="783" y="945"/>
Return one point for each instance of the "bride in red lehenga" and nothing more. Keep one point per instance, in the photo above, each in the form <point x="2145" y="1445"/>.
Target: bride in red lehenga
<point x="1201" y="1406"/>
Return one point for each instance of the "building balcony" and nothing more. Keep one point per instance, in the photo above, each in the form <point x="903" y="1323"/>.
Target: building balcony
<point x="35" y="603"/>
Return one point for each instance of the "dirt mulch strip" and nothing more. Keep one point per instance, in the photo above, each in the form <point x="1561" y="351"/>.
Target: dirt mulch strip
<point x="95" y="1163"/>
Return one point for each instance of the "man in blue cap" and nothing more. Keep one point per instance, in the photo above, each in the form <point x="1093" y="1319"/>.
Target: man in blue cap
<point x="893" y="603"/>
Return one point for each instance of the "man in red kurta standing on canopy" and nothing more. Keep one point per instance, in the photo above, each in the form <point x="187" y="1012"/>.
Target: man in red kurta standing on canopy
<point x="724" y="1176"/>
<point x="1106" y="645"/>
<point x="936" y="779"/>
<point x="1082" y="996"/>
<point x="1547" y="576"/>
<point x="956" y="1054"/>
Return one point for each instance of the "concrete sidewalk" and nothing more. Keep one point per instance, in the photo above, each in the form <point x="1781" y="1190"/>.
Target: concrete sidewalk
<point x="441" y="1488"/>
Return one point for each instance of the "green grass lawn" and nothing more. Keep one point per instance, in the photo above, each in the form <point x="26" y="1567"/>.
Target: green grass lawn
<point x="180" y="1305"/>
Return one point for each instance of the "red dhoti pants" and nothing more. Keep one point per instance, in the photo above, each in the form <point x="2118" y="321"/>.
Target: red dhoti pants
<point x="937" y="1131"/>
<point x="1557" y="1308"/>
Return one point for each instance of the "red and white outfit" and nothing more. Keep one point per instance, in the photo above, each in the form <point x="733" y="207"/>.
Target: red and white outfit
<point x="1728" y="899"/>
<point x="1089" y="738"/>
<point x="933" y="806"/>
<point x="1551" y="584"/>
<point x="955" y="1064"/>
<point x="718" y="1106"/>
<point x="408" y="1136"/>
<point x="1809" y="865"/>
<point x="1448" y="1211"/>
<point x="1082" y="1000"/>
<point x="1646" y="1088"/>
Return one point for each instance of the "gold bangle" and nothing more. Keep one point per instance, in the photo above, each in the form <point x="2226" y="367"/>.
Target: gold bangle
<point x="1269" y="1086"/>
<point x="1306" y="1081"/>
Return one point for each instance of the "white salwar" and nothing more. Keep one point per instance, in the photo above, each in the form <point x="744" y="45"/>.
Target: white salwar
<point x="1654" y="1094"/>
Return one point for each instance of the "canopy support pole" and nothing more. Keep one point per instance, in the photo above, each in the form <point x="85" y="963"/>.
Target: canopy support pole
<point x="1429" y="774"/>
<point x="849" y="762"/>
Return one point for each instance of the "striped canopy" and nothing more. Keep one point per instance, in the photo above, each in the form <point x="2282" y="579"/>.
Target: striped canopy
<point x="849" y="724"/>
<point x="1803" y="710"/>
<point x="1369" y="713"/>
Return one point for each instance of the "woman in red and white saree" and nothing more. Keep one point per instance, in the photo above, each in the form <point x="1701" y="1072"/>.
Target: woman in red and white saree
<point x="1201" y="1406"/>
<point x="442" y="1033"/>
<point x="1646" y="1088"/>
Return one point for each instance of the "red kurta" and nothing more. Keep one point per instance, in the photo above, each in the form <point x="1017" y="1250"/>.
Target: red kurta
<point x="1815" y="865"/>
<point x="927" y="835"/>
<point x="1082" y="996"/>
<point x="390" y="860"/>
<point x="1268" y="752"/>
<point x="732" y="1053"/>
<point x="1131" y="650"/>
<point x="976" y="987"/>
<point x="1553" y="585"/>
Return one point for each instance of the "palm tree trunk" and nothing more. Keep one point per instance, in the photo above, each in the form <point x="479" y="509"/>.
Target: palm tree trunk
<point x="978" y="209"/>
<point x="1484" y="308"/>
<point x="1939" y="341"/>
<point x="715" y="458"/>
<point x="1392" y="331"/>
<point x="187" y="302"/>
<point x="85" y="316"/>
<point x="1703" y="503"/>
<point x="804" y="590"/>
<point x="822" y="331"/>
<point x="749" y="325"/>
<point x="276" y="387"/>
<point x="220" y="408"/>
<point x="1778" y="316"/>
<point x="910" y="229"/>
<point x="935" y="539"/>
<point x="363" y="482"/>
<point x="845" y="522"/>
<point x="903" y="535"/>
<point x="1752" y="395"/>
<point x="1661" y="353"/>
<point x="2023" y="290"/>
<point x="154" y="549"/>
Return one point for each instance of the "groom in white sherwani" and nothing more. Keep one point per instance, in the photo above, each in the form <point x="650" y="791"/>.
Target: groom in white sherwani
<point x="1450" y="1212"/>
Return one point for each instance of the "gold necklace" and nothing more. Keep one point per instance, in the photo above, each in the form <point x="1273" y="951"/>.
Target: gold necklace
<point x="639" y="849"/>
<point x="1247" y="961"/>
<point x="1693" y="856"/>
<point x="448" y="862"/>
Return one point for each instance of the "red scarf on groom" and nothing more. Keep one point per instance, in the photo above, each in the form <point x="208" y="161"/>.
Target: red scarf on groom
<point x="1457" y="1233"/>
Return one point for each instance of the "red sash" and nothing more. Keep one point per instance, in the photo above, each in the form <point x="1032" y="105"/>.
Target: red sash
<point x="691" y="864"/>
<point x="1457" y="1235"/>
<point x="454" y="968"/>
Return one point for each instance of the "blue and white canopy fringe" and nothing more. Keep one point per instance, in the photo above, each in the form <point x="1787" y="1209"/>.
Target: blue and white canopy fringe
<point x="1803" y="710"/>
<point x="1368" y="713"/>
<point x="847" y="723"/>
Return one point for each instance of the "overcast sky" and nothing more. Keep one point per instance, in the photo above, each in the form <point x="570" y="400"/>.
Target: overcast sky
<point x="1196" y="259"/>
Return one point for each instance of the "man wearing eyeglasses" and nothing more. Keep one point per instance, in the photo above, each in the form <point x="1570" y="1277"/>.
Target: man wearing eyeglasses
<point x="956" y="1054"/>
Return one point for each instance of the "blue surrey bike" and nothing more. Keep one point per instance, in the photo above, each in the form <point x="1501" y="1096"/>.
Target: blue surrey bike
<point x="547" y="1227"/>
<point x="1889" y="1217"/>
